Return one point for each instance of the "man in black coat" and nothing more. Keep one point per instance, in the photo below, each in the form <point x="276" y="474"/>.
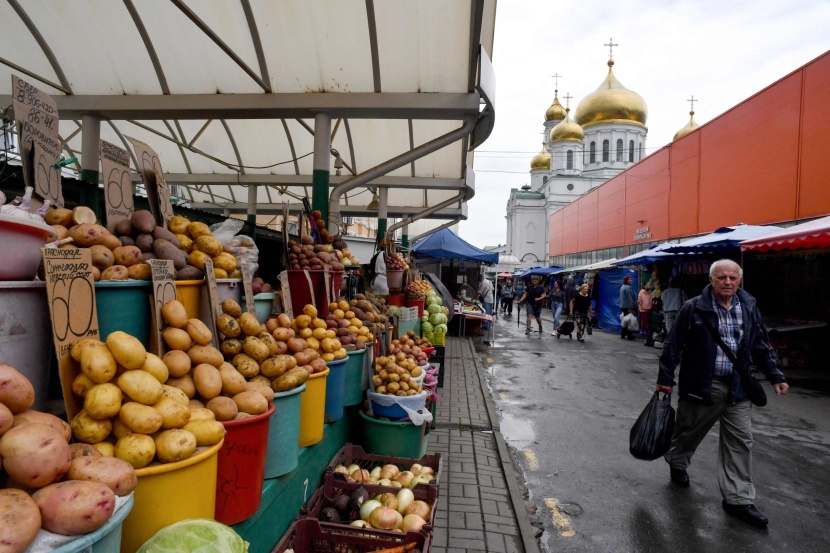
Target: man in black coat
<point x="710" y="387"/>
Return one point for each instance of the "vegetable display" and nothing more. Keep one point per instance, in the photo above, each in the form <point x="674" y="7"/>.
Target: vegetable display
<point x="351" y="323"/>
<point x="203" y="535"/>
<point x="308" y="256"/>
<point x="418" y="289"/>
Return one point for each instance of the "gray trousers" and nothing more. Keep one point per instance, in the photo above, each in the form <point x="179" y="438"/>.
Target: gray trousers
<point x="668" y="319"/>
<point x="693" y="422"/>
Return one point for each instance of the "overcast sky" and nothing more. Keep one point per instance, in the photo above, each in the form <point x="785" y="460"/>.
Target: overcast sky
<point x="721" y="51"/>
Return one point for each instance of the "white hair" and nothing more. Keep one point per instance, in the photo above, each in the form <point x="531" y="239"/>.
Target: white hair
<point x="721" y="262"/>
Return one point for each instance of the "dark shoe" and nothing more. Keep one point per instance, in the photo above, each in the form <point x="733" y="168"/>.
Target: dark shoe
<point x="540" y="330"/>
<point x="680" y="477"/>
<point x="527" y="331"/>
<point x="747" y="513"/>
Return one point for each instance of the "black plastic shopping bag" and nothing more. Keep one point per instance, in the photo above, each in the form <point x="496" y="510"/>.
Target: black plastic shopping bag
<point x="650" y="436"/>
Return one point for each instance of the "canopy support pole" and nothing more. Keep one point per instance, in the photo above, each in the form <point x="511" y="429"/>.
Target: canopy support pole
<point x="90" y="145"/>
<point x="405" y="238"/>
<point x="383" y="211"/>
<point x="252" y="209"/>
<point x="322" y="164"/>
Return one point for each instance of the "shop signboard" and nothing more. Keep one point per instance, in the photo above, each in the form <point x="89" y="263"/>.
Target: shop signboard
<point x="247" y="286"/>
<point x="158" y="192"/>
<point x="213" y="296"/>
<point x="163" y="274"/>
<point x="118" y="189"/>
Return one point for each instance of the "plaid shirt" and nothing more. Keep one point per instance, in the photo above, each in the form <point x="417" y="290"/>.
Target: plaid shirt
<point x="731" y="330"/>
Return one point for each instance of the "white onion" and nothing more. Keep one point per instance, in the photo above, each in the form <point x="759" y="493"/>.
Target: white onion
<point x="417" y="480"/>
<point x="425" y="471"/>
<point x="392" y="469"/>
<point x="367" y="508"/>
<point x="412" y="523"/>
<point x="385" y="482"/>
<point x="405" y="478"/>
<point x="351" y="468"/>
<point x="360" y="524"/>
<point x="375" y="474"/>
<point x="405" y="498"/>
<point x="385" y="518"/>
<point x="415" y="469"/>
<point x="419" y="508"/>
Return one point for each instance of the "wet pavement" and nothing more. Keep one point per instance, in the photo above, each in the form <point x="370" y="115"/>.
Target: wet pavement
<point x="566" y="409"/>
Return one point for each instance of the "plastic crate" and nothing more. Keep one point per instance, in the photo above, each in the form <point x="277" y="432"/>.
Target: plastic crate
<point x="306" y="535"/>
<point x="408" y="314"/>
<point x="438" y="339"/>
<point x="351" y="454"/>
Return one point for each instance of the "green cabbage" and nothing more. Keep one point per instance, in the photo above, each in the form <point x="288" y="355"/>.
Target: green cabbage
<point x="195" y="536"/>
<point x="438" y="318"/>
<point x="434" y="308"/>
<point x="393" y="309"/>
<point x="434" y="299"/>
<point x="441" y="329"/>
<point x="426" y="327"/>
<point x="425" y="318"/>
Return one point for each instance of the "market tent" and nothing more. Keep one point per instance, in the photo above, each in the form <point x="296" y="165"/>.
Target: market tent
<point x="721" y="240"/>
<point x="542" y="271"/>
<point x="445" y="244"/>
<point x="608" y="308"/>
<point x="647" y="257"/>
<point x="813" y="234"/>
<point x="504" y="275"/>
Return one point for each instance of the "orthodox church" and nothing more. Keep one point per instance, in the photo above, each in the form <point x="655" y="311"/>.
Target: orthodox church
<point x="605" y="136"/>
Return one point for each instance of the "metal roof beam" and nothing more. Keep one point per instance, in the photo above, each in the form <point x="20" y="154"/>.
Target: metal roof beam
<point x="215" y="179"/>
<point x="346" y="211"/>
<point x="354" y="105"/>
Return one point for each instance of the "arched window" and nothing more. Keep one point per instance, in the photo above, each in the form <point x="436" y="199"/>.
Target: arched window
<point x="640" y="148"/>
<point x="570" y="159"/>
<point x="619" y="149"/>
<point x="631" y="151"/>
<point x="606" y="154"/>
<point x="544" y="180"/>
<point x="593" y="158"/>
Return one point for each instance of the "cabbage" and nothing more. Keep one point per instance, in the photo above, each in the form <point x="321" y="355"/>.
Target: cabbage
<point x="425" y="318"/>
<point x="432" y="294"/>
<point x="426" y="327"/>
<point x="434" y="308"/>
<point x="434" y="299"/>
<point x="441" y="329"/>
<point x="438" y="318"/>
<point x="393" y="309"/>
<point x="195" y="536"/>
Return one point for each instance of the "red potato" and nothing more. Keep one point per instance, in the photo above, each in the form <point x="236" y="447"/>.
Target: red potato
<point x="16" y="392"/>
<point x="53" y="422"/>
<point x="20" y="518"/>
<point x="34" y="454"/>
<point x="74" y="507"/>
<point x="83" y="450"/>
<point x="6" y="419"/>
<point x="127" y="255"/>
<point x="117" y="474"/>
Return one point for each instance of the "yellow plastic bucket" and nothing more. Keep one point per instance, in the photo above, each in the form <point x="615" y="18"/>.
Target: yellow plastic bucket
<point x="189" y="292"/>
<point x="170" y="493"/>
<point x="313" y="409"/>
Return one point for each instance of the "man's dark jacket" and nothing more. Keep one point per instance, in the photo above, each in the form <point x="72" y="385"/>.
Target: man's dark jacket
<point x="693" y="347"/>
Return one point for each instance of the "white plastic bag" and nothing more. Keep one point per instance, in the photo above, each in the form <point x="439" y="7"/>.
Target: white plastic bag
<point x="241" y="247"/>
<point x="415" y="406"/>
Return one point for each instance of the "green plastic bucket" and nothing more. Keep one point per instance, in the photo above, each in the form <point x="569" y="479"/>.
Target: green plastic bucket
<point x="263" y="303"/>
<point x="106" y="539"/>
<point x="396" y="439"/>
<point x="283" y="450"/>
<point x="355" y="379"/>
<point x="335" y="389"/>
<point x="124" y="305"/>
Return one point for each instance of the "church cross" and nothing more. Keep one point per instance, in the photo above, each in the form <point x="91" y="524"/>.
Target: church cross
<point x="692" y="102"/>
<point x="567" y="98"/>
<point x="556" y="80"/>
<point x="610" y="45"/>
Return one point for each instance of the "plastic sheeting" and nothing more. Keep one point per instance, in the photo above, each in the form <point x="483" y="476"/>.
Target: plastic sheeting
<point x="608" y="310"/>
<point x="445" y="244"/>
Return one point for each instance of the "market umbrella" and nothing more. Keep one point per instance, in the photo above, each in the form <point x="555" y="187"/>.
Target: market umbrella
<point x="504" y="275"/>
<point x="813" y="234"/>
<point x="647" y="257"/>
<point x="724" y="238"/>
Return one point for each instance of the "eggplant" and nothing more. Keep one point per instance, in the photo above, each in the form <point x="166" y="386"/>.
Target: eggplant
<point x="357" y="498"/>
<point x="330" y="514"/>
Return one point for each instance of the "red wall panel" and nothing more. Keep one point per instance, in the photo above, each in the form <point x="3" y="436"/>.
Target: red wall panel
<point x="555" y="233"/>
<point x="587" y="237"/>
<point x="647" y="197"/>
<point x="684" y="165"/>
<point x="570" y="227"/>
<point x="814" y="192"/>
<point x="611" y="213"/>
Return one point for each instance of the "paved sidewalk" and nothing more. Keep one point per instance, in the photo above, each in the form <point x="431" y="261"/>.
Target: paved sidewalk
<point x="481" y="507"/>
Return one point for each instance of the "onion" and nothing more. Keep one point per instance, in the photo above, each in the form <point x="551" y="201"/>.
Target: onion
<point x="392" y="469"/>
<point x="386" y="475"/>
<point x="405" y="498"/>
<point x="419" y="508"/>
<point x="351" y="468"/>
<point x="404" y="478"/>
<point x="367" y="508"/>
<point x="412" y="523"/>
<point x="389" y="500"/>
<point x="360" y="524"/>
<point x="426" y="471"/>
<point x="396" y="484"/>
<point x="361" y="475"/>
<point x="385" y="518"/>
<point x="417" y="480"/>
<point x="340" y="469"/>
<point x="416" y="469"/>
<point x="385" y="482"/>
<point x="375" y="474"/>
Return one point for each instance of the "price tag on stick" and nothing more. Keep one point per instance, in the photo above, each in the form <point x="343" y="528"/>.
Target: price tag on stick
<point x="164" y="290"/>
<point x="158" y="193"/>
<point x="248" y="287"/>
<point x="118" y="189"/>
<point x="70" y="289"/>
<point x="213" y="297"/>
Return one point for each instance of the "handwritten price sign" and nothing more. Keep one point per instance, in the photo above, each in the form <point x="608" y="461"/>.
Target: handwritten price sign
<point x="152" y="174"/>
<point x="118" y="190"/>
<point x="164" y="289"/>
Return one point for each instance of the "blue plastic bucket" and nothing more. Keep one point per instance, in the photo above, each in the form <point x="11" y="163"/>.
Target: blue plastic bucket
<point x="355" y="377"/>
<point x="106" y="539"/>
<point x="335" y="389"/>
<point x="263" y="303"/>
<point x="283" y="450"/>
<point x="124" y="305"/>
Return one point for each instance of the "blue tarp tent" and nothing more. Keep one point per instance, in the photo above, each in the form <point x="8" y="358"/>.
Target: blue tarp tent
<point x="725" y="238"/>
<point x="647" y="257"/>
<point x="445" y="244"/>
<point x="541" y="271"/>
<point x="608" y="311"/>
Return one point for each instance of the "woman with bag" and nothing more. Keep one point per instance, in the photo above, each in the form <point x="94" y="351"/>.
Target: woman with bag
<point x="557" y="302"/>
<point x="580" y="308"/>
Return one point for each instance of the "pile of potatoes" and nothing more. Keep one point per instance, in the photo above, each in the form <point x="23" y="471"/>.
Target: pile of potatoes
<point x="214" y="387"/>
<point x="44" y="481"/>
<point x="350" y="323"/>
<point x="308" y="256"/>
<point x="198" y="243"/>
<point x="395" y="374"/>
<point x="131" y="408"/>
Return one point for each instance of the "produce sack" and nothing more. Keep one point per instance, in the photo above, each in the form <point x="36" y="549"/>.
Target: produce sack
<point x="650" y="436"/>
<point x="241" y="247"/>
<point x="196" y="535"/>
<point x="415" y="406"/>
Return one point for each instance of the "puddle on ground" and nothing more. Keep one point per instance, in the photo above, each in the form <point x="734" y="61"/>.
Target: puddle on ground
<point x="517" y="432"/>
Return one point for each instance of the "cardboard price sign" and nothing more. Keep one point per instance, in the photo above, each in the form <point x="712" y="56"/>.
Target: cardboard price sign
<point x="164" y="290"/>
<point x="36" y="114"/>
<point x="248" y="287"/>
<point x="118" y="189"/>
<point x="213" y="296"/>
<point x="70" y="288"/>
<point x="152" y="175"/>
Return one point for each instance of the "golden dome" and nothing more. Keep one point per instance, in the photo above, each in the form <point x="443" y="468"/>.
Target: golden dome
<point x="611" y="102"/>
<point x="540" y="160"/>
<point x="690" y="126"/>
<point x="567" y="130"/>
<point x="555" y="112"/>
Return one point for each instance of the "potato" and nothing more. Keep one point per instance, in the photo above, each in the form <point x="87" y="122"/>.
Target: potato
<point x="195" y="404"/>
<point x="190" y="273"/>
<point x="74" y="507"/>
<point x="185" y="384"/>
<point x="197" y="229"/>
<point x="270" y="342"/>
<point x="117" y="474"/>
<point x="178" y="363"/>
<point x="107" y="449"/>
<point x="6" y="420"/>
<point x="20" y="516"/>
<point x="201" y="414"/>
<point x="291" y="379"/>
<point x="127" y="350"/>
<point x="34" y="454"/>
<point x="175" y="445"/>
<point x="16" y="392"/>
<point x="98" y="363"/>
<point x="165" y="250"/>
<point x="207" y="432"/>
<point x="141" y="271"/>
<point x="81" y="385"/>
<point x="197" y="259"/>
<point x="141" y="419"/>
<point x="173" y="413"/>
<point x="205" y="354"/>
<point x="178" y="224"/>
<point x="224" y="408"/>
<point x="176" y="338"/>
<point x="140" y="386"/>
<point x="220" y="273"/>
<point x="138" y="450"/>
<point x="174" y="314"/>
<point x="232" y="308"/>
<point x="232" y="380"/>
<point x="156" y="367"/>
<point x="102" y="256"/>
<point x="185" y="243"/>
<point x="208" y="245"/>
<point x="255" y="348"/>
<point x="59" y="216"/>
<point x="161" y="233"/>
<point x="208" y="381"/>
<point x="103" y="401"/>
<point x="77" y="347"/>
<point x="228" y="325"/>
<point x="225" y="262"/>
<point x="231" y="347"/>
<point x="199" y="332"/>
<point x="83" y="450"/>
<point x="127" y="255"/>
<point x="119" y="429"/>
<point x="247" y="366"/>
<point x="89" y="430"/>
<point x="277" y="365"/>
<point x="111" y="242"/>
<point x="251" y="402"/>
<point x="86" y="235"/>
<point x="143" y="221"/>
<point x="144" y="242"/>
<point x="263" y="389"/>
<point x="116" y="272"/>
<point x="175" y="394"/>
<point x="124" y="228"/>
<point x="250" y="325"/>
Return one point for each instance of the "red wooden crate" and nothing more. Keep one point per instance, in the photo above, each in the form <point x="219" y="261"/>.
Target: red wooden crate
<point x="307" y="535"/>
<point x="354" y="454"/>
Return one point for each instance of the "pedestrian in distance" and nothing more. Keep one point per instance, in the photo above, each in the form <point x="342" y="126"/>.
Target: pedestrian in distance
<point x="557" y="303"/>
<point x="580" y="308"/>
<point x="507" y="298"/>
<point x="713" y="339"/>
<point x="534" y="296"/>
<point x="644" y="301"/>
<point x="518" y="292"/>
<point x="485" y="295"/>
<point x="628" y="297"/>
<point x="673" y="299"/>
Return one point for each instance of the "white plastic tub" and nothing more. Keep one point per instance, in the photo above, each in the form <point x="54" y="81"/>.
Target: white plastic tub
<point x="20" y="243"/>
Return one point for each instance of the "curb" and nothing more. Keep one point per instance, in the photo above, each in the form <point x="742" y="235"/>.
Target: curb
<point x="526" y="530"/>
